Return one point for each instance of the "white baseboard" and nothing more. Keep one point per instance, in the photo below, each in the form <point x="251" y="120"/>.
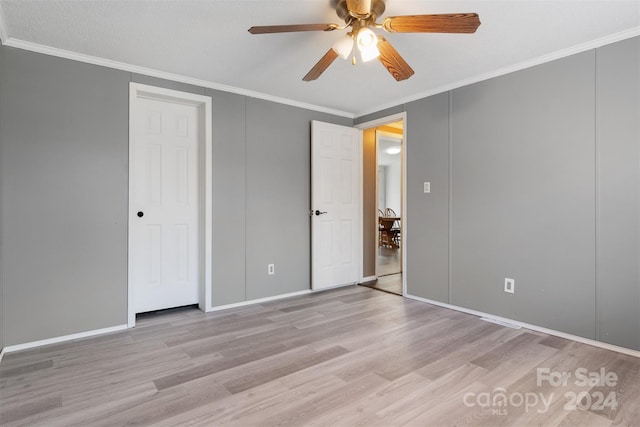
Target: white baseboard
<point x="369" y="279"/>
<point x="1" y="354"/>
<point x="274" y="298"/>
<point x="257" y="301"/>
<point x="56" y="340"/>
<point x="40" y="343"/>
<point x="499" y="320"/>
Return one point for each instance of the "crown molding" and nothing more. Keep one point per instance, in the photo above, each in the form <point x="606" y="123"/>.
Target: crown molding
<point x="593" y="44"/>
<point x="94" y="60"/>
<point x="61" y="53"/>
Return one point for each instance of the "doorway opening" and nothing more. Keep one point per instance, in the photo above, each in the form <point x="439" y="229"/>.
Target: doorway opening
<point x="384" y="204"/>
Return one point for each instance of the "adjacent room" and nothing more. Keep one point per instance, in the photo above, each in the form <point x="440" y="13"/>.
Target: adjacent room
<point x="383" y="194"/>
<point x="329" y="212"/>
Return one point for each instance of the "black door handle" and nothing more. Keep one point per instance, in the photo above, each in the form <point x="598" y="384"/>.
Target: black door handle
<point x="318" y="213"/>
<point x="140" y="214"/>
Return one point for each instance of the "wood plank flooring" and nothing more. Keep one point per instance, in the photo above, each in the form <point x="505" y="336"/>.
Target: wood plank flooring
<point x="391" y="283"/>
<point x="345" y="357"/>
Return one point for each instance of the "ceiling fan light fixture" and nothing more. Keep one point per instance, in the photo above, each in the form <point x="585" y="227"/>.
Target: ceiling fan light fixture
<point x="367" y="44"/>
<point x="369" y="53"/>
<point x="343" y="46"/>
<point x="366" y="38"/>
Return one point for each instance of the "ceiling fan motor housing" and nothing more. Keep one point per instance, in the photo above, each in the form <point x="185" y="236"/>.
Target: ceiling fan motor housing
<point x="377" y="9"/>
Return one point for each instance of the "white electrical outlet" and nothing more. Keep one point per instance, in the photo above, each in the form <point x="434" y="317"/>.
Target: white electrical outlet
<point x="509" y="285"/>
<point x="427" y="187"/>
<point x="271" y="269"/>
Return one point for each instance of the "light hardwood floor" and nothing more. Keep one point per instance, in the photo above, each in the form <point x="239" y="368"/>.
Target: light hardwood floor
<point x="391" y="283"/>
<point x="346" y="357"/>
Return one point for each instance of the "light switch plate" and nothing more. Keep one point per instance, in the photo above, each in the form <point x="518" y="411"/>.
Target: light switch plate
<point x="509" y="285"/>
<point x="427" y="187"/>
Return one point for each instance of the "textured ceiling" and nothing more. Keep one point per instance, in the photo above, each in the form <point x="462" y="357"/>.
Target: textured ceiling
<point x="207" y="41"/>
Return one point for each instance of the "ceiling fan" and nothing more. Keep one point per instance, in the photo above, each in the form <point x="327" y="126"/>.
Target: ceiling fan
<point x="360" y="15"/>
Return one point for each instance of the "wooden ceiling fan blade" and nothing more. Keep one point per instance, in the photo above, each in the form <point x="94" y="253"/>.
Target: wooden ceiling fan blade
<point x="393" y="61"/>
<point x="270" y="29"/>
<point x="359" y="7"/>
<point x="322" y="65"/>
<point x="441" y="23"/>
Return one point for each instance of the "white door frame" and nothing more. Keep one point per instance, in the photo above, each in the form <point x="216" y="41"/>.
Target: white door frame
<point x="403" y="242"/>
<point x="203" y="103"/>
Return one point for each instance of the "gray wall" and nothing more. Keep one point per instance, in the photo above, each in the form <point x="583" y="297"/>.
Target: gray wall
<point x="618" y="193"/>
<point x="427" y="218"/>
<point x="535" y="176"/>
<point x="278" y="193"/>
<point x="64" y="177"/>
<point x="229" y="198"/>
<point x="523" y="195"/>
<point x="64" y="142"/>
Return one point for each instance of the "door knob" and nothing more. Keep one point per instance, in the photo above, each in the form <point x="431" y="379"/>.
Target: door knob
<point x="140" y="214"/>
<point x="318" y="213"/>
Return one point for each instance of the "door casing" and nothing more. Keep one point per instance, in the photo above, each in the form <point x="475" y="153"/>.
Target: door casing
<point x="405" y="227"/>
<point x="203" y="103"/>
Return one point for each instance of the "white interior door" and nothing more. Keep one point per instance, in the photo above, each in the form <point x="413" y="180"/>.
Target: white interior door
<point x="164" y="205"/>
<point x="336" y="205"/>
